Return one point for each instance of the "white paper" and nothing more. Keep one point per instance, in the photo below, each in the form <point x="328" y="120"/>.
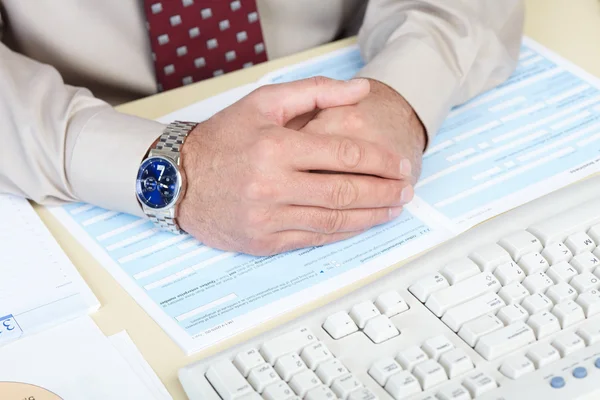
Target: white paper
<point x="74" y="361"/>
<point x="537" y="132"/>
<point x="39" y="286"/>
<point x="130" y="353"/>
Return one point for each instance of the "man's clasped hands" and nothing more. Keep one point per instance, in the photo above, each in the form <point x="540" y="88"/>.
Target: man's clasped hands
<point x="300" y="164"/>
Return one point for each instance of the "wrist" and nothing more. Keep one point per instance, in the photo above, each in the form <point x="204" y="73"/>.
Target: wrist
<point x="394" y="99"/>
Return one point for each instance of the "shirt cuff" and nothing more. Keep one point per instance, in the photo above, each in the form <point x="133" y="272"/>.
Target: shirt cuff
<point x="420" y="75"/>
<point x="106" y="155"/>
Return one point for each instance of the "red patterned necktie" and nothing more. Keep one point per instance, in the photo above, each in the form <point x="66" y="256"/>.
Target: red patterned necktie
<point x="193" y="40"/>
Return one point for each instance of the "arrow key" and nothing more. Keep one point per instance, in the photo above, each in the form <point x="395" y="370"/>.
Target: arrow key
<point x="339" y="325"/>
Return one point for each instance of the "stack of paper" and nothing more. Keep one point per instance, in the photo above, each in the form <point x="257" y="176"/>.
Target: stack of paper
<point x="76" y="361"/>
<point x="39" y="286"/>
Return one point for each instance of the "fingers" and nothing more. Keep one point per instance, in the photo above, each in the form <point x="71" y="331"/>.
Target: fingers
<point x="292" y="240"/>
<point x="313" y="152"/>
<point x="328" y="221"/>
<point x="283" y="102"/>
<point x="344" y="191"/>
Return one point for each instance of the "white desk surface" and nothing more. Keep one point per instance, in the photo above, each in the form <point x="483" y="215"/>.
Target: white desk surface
<point x="571" y="28"/>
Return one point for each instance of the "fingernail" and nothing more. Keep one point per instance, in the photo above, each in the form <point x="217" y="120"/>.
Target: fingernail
<point x="407" y="194"/>
<point x="393" y="212"/>
<point x="405" y="167"/>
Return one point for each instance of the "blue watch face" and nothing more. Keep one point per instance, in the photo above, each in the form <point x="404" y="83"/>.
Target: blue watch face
<point x="157" y="182"/>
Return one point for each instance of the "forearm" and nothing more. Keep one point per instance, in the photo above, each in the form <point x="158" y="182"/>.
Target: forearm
<point x="440" y="53"/>
<point x="59" y="143"/>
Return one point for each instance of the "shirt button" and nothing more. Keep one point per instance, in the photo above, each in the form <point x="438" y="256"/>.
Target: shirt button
<point x="557" y="382"/>
<point x="597" y="363"/>
<point x="580" y="372"/>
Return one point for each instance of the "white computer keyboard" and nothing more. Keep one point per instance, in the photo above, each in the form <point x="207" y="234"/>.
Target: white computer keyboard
<point x="508" y="310"/>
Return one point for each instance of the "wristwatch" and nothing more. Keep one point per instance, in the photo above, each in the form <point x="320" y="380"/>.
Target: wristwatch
<point x="161" y="181"/>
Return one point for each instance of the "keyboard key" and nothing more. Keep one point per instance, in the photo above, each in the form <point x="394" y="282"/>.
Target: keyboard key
<point x="558" y="227"/>
<point x="585" y="262"/>
<point x="227" y="380"/>
<point x="247" y="360"/>
<point x="567" y="343"/>
<point x="568" y="313"/>
<point x="512" y="313"/>
<point x="580" y="242"/>
<point x="584" y="282"/>
<point x="315" y="354"/>
<point x="430" y="373"/>
<point x="339" y="325"/>
<point x="362" y="394"/>
<point x="290" y="342"/>
<point x="516" y="366"/>
<point x="590" y="332"/>
<point x="362" y="312"/>
<point x="436" y="346"/>
<point x="381" y="370"/>
<point x="508" y="273"/>
<point x="513" y="293"/>
<point x="402" y="385"/>
<point x="478" y="383"/>
<point x="557" y="252"/>
<point x="590" y="302"/>
<point x="262" y="376"/>
<point x="543" y="324"/>
<point x="532" y="263"/>
<point x="453" y="391"/>
<point x="505" y="340"/>
<point x="391" y="303"/>
<point x="345" y="385"/>
<point x="456" y="362"/>
<point x="473" y="330"/>
<point x="277" y="391"/>
<point x="302" y="382"/>
<point x="251" y="396"/>
<point x="489" y="257"/>
<point x="487" y="303"/>
<point x="459" y="270"/>
<point x="442" y="300"/>
<point x="427" y="285"/>
<point x="330" y="370"/>
<point x="380" y="329"/>
<point x="520" y="243"/>
<point x="537" y="283"/>
<point x="543" y="354"/>
<point x="561" y="272"/>
<point x="410" y="357"/>
<point x="537" y="303"/>
<point x="320" y="393"/>
<point x="561" y="292"/>
<point x="289" y="365"/>
<point x="594" y="233"/>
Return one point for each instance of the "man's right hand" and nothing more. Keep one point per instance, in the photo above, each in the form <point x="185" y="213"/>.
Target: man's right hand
<point x="252" y="185"/>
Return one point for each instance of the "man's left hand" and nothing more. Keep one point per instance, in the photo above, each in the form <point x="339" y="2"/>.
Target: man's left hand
<point x="383" y="117"/>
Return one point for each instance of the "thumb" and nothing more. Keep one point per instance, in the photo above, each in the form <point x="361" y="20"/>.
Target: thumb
<point x="285" y="101"/>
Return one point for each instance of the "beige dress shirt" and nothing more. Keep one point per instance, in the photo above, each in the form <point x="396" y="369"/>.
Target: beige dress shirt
<point x="64" y="62"/>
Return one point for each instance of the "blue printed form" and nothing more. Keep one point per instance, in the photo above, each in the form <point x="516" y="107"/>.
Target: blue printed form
<point x="536" y="132"/>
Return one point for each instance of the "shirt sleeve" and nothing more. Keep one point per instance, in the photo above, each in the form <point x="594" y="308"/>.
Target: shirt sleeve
<point x="60" y="144"/>
<point x="440" y="53"/>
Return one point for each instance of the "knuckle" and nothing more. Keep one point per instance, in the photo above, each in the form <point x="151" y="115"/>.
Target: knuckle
<point x="319" y="81"/>
<point x="333" y="221"/>
<point x="344" y="194"/>
<point x="349" y="153"/>
<point x="354" y="121"/>
<point x="258" y="190"/>
<point x="265" y="148"/>
<point x="319" y="239"/>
